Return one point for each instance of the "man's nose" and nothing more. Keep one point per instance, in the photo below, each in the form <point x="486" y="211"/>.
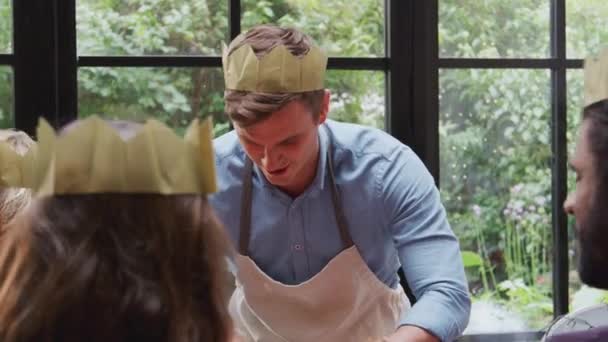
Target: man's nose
<point x="569" y="204"/>
<point x="270" y="160"/>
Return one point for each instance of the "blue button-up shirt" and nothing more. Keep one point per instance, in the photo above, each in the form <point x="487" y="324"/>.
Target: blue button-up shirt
<point x="393" y="211"/>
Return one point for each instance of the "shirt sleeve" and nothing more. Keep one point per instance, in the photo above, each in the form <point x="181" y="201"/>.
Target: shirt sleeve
<point x="428" y="250"/>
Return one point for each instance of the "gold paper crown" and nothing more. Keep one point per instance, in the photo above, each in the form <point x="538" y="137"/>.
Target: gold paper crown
<point x="93" y="158"/>
<point x="16" y="170"/>
<point x="277" y="72"/>
<point x="596" y="78"/>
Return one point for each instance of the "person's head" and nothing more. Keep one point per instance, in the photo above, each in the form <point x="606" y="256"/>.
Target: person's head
<point x="14" y="200"/>
<point x="588" y="202"/>
<point x="115" y="267"/>
<point x="278" y="130"/>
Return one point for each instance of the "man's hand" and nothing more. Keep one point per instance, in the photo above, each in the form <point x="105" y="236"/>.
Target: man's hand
<point x="410" y="333"/>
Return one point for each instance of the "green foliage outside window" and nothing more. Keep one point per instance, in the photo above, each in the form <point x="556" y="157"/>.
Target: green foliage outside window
<point x="161" y="27"/>
<point x="495" y="144"/>
<point x="6" y="97"/>
<point x="6" y="25"/>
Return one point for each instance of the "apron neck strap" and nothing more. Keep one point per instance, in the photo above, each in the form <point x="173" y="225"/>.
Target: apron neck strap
<point x="245" y="221"/>
<point x="246" y="198"/>
<point x="347" y="240"/>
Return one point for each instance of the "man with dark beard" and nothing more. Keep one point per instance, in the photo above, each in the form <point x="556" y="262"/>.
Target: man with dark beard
<point x="587" y="203"/>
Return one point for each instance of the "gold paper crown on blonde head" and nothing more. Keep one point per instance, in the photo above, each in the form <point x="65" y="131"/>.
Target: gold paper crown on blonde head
<point x="16" y="159"/>
<point x="279" y="71"/>
<point x="596" y="78"/>
<point x="93" y="158"/>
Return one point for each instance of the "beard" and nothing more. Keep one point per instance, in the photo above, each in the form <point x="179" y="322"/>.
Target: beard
<point x="593" y="246"/>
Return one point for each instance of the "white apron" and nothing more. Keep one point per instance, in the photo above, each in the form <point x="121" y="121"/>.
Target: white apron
<point x="343" y="302"/>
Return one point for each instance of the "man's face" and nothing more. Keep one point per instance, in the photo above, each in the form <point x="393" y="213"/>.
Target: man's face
<point x="285" y="145"/>
<point x="587" y="211"/>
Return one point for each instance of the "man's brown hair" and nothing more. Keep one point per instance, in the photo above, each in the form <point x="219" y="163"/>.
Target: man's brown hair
<point x="247" y="108"/>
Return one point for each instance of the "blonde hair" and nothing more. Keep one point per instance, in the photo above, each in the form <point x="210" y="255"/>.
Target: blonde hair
<point x="14" y="200"/>
<point x="247" y="108"/>
<point x="17" y="140"/>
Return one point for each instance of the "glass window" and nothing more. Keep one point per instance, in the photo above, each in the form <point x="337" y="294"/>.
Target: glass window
<point x="6" y="97"/>
<point x="494" y="28"/>
<point x="6" y="26"/>
<point x="172" y="95"/>
<point x="586" y="31"/>
<point x="495" y="158"/>
<point x="360" y="35"/>
<point x="177" y="95"/>
<point x="159" y="27"/>
<point x="357" y="97"/>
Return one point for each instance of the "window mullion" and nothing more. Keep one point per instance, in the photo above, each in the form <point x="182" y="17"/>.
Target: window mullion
<point x="559" y="165"/>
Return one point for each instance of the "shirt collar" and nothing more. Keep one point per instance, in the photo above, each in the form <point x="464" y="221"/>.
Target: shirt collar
<point x="318" y="183"/>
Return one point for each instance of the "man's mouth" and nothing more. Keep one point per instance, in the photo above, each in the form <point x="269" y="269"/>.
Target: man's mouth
<point x="277" y="172"/>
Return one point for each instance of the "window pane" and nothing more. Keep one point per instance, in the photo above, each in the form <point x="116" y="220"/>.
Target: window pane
<point x="357" y="97"/>
<point x="176" y="95"/>
<point x="495" y="159"/>
<point x="142" y="27"/>
<point x="172" y="95"/>
<point x="586" y="31"/>
<point x="580" y="295"/>
<point x="6" y="97"/>
<point x="361" y="35"/>
<point x="6" y="26"/>
<point x="494" y="28"/>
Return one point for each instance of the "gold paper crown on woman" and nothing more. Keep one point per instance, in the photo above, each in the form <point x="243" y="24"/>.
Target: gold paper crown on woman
<point x="279" y="71"/>
<point x="16" y="168"/>
<point x="93" y="158"/>
<point x="596" y="78"/>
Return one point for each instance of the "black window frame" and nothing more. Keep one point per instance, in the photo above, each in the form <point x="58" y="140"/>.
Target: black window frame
<point x="45" y="65"/>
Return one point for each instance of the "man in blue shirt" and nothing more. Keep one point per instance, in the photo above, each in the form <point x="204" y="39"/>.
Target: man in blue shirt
<point x="588" y="202"/>
<point x="325" y="213"/>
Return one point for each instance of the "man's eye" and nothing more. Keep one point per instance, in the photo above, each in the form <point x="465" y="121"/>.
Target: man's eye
<point x="289" y="142"/>
<point x="252" y="144"/>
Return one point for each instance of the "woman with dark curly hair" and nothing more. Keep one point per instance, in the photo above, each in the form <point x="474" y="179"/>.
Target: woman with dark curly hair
<point x="122" y="245"/>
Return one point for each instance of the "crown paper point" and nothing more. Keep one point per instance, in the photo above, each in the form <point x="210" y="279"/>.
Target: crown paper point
<point x="279" y="71"/>
<point x="16" y="170"/>
<point x="596" y="78"/>
<point x="92" y="157"/>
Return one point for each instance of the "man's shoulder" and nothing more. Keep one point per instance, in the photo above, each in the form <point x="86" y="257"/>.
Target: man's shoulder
<point x="229" y="160"/>
<point x="361" y="140"/>
<point x="226" y="145"/>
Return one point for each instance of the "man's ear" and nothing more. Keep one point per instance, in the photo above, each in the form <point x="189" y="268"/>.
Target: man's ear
<point x="324" y="107"/>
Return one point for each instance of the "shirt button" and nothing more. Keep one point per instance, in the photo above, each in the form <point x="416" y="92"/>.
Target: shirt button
<point x="298" y="247"/>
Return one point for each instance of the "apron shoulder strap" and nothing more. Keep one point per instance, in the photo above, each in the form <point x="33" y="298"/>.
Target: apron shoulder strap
<point x="245" y="219"/>
<point x="347" y="240"/>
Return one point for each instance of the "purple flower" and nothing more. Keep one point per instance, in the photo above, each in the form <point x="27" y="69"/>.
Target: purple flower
<point x="517" y="189"/>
